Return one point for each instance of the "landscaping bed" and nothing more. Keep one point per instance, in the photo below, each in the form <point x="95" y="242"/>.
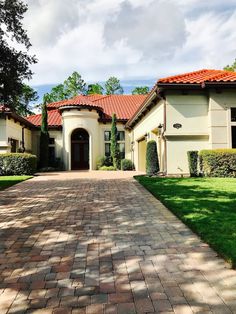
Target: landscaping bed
<point x="7" y="181"/>
<point x="206" y="205"/>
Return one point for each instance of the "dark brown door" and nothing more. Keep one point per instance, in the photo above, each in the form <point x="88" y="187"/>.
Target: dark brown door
<point x="80" y="150"/>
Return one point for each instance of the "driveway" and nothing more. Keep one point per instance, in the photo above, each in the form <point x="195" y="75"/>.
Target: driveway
<point x="98" y="242"/>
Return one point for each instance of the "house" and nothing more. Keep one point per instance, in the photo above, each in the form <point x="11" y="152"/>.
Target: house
<point x="191" y="111"/>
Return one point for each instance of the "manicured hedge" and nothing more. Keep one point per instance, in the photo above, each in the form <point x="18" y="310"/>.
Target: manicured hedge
<point x="152" y="163"/>
<point x="193" y="162"/>
<point x="17" y="164"/>
<point x="126" y="164"/>
<point x="218" y="162"/>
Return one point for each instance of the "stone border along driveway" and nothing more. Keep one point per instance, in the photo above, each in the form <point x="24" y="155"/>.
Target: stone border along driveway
<point x="75" y="243"/>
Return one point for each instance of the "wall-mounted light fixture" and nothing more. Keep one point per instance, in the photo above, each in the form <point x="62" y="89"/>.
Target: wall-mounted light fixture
<point x="147" y="135"/>
<point x="159" y="128"/>
<point x="177" y="126"/>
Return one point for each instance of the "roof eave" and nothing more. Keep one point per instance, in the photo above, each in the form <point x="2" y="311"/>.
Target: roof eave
<point x="196" y="85"/>
<point x="155" y="93"/>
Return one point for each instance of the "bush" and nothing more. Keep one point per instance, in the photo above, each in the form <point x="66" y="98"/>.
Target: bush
<point x="218" y="162"/>
<point x="104" y="161"/>
<point x="107" y="168"/>
<point x="17" y="164"/>
<point x="152" y="163"/>
<point x="193" y="162"/>
<point x="127" y="164"/>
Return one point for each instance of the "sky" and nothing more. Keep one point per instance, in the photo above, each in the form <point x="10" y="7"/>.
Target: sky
<point x="137" y="41"/>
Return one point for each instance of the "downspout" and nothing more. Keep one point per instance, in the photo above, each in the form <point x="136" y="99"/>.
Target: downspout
<point x="23" y="139"/>
<point x="165" y="145"/>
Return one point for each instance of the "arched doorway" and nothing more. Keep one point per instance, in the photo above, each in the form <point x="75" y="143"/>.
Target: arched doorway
<point x="79" y="150"/>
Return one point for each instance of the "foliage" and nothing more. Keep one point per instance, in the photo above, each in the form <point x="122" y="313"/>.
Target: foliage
<point x="72" y="86"/>
<point x="231" y="67"/>
<point x="14" y="64"/>
<point x="115" y="154"/>
<point x="140" y="90"/>
<point x="108" y="168"/>
<point x="7" y="181"/>
<point x="75" y="85"/>
<point x="193" y="163"/>
<point x="44" y="139"/>
<point x="28" y="94"/>
<point x="127" y="164"/>
<point x="152" y="163"/>
<point x="206" y="205"/>
<point x="218" y="162"/>
<point x="17" y="164"/>
<point x="100" y="161"/>
<point x="95" y="89"/>
<point x="113" y="86"/>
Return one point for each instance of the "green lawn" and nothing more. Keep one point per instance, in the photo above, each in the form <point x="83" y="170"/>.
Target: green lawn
<point x="6" y="181"/>
<point x="206" y="205"/>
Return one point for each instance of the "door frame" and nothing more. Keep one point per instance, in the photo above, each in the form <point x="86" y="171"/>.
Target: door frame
<point x="72" y="167"/>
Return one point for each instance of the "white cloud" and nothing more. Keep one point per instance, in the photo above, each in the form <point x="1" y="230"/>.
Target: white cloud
<point x="129" y="38"/>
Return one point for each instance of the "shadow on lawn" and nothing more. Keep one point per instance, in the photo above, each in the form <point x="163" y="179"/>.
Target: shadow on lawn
<point x="70" y="244"/>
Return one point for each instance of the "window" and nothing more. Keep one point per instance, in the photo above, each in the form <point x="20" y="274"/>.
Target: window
<point x="233" y="114"/>
<point x="120" y="140"/>
<point x="233" y="128"/>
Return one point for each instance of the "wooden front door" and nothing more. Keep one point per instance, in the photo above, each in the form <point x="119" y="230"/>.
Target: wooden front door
<point x="80" y="150"/>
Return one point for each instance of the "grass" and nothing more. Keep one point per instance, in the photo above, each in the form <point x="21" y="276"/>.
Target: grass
<point x="206" y="205"/>
<point x="7" y="181"/>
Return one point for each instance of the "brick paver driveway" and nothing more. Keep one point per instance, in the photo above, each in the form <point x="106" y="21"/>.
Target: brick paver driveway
<point x="74" y="245"/>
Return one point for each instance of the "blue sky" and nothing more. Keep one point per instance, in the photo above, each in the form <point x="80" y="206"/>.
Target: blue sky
<point x="136" y="40"/>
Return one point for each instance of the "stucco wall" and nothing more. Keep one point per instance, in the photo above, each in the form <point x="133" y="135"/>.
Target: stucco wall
<point x="3" y="137"/>
<point x="148" y="125"/>
<point x="219" y="118"/>
<point x="87" y="120"/>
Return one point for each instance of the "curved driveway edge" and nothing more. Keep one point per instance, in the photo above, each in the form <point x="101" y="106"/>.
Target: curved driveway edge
<point x="98" y="242"/>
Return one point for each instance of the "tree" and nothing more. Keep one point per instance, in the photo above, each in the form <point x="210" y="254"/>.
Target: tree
<point x="231" y="67"/>
<point x="75" y="85"/>
<point x="14" y="64"/>
<point x="44" y="138"/>
<point x="22" y="103"/>
<point x="58" y="93"/>
<point x="140" y="90"/>
<point x="115" y="154"/>
<point x="113" y="86"/>
<point x="95" y="89"/>
<point x="152" y="163"/>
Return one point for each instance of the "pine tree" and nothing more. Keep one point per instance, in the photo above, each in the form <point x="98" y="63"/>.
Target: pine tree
<point x="115" y="154"/>
<point x="44" y="138"/>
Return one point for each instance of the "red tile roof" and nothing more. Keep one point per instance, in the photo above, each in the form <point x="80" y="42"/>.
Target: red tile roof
<point x="200" y="77"/>
<point x="123" y="105"/>
<point x="54" y="118"/>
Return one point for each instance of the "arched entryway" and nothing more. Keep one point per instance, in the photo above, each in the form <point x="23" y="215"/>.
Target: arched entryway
<point x="79" y="150"/>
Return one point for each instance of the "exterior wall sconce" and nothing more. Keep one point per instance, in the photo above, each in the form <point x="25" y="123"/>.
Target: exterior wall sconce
<point x="147" y="135"/>
<point x="132" y="146"/>
<point x="159" y="128"/>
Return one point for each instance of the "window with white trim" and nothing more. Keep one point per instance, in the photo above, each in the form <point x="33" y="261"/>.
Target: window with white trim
<point x="233" y="126"/>
<point x="120" y="140"/>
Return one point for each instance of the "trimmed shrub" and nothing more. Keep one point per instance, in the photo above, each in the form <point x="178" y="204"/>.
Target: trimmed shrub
<point x="100" y="161"/>
<point x="152" y="163"/>
<point x="18" y="164"/>
<point x="127" y="164"/>
<point x="218" y="162"/>
<point x="108" y="168"/>
<point x="104" y="161"/>
<point x="193" y="162"/>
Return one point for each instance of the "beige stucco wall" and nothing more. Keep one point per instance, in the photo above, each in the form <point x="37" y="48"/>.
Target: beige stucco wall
<point x="3" y="137"/>
<point x="13" y="129"/>
<point x="219" y="118"/>
<point x="148" y="125"/>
